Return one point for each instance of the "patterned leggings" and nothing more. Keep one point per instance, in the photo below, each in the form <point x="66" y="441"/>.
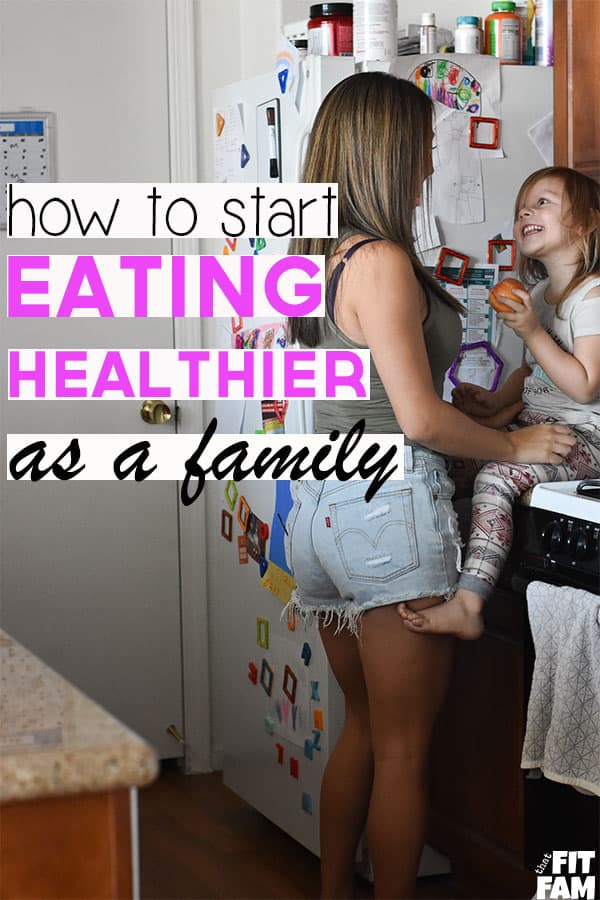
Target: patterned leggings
<point x="496" y="487"/>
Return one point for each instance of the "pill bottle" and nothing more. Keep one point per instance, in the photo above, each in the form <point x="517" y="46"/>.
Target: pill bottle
<point x="375" y="29"/>
<point x="428" y="33"/>
<point x="544" y="42"/>
<point x="467" y="37"/>
<point x="330" y="29"/>
<point x="526" y="9"/>
<point x="503" y="33"/>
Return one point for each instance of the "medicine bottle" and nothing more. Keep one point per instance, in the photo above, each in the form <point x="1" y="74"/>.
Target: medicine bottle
<point x="375" y="29"/>
<point x="526" y="9"/>
<point x="428" y="33"/>
<point x="330" y="29"/>
<point x="467" y="37"/>
<point x="503" y="33"/>
<point x="544" y="42"/>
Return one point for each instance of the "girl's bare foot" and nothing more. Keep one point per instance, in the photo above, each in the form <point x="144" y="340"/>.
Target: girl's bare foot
<point x="460" y="616"/>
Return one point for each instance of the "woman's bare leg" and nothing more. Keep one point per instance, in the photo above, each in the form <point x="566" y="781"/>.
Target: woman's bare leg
<point x="346" y="785"/>
<point x="406" y="677"/>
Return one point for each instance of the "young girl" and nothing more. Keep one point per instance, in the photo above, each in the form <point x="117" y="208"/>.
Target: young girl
<point x="352" y="560"/>
<point x="557" y="229"/>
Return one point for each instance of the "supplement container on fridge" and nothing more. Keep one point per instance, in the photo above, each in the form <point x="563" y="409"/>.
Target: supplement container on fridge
<point x="503" y="33"/>
<point x="428" y="33"/>
<point x="467" y="37"/>
<point x="543" y="26"/>
<point x="375" y="30"/>
<point x="330" y="29"/>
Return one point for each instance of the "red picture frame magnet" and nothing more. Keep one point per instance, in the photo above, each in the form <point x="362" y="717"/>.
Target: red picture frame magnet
<point x="253" y="672"/>
<point x="482" y="145"/>
<point x="290" y="683"/>
<point x="243" y="513"/>
<point x="279" y="748"/>
<point x="237" y="323"/>
<point x="502" y="244"/>
<point x="226" y="525"/>
<point x="294" y="767"/>
<point x="444" y="253"/>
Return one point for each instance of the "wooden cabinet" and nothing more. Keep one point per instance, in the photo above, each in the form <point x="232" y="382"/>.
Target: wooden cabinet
<point x="576" y="85"/>
<point x="478" y="788"/>
<point x="67" y="847"/>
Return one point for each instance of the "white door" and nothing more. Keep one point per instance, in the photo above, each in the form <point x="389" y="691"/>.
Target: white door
<point x="90" y="571"/>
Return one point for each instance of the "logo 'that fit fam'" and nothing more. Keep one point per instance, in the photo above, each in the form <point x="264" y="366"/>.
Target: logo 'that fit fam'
<point x="566" y="874"/>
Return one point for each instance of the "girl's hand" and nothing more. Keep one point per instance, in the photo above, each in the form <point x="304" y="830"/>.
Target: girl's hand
<point x="542" y="444"/>
<point x="522" y="318"/>
<point x="502" y="418"/>
<point x="475" y="401"/>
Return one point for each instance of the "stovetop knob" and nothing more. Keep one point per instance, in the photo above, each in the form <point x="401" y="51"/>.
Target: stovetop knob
<point x="552" y="536"/>
<point x="579" y="544"/>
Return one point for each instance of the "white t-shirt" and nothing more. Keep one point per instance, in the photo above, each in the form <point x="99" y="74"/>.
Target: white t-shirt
<point x="579" y="317"/>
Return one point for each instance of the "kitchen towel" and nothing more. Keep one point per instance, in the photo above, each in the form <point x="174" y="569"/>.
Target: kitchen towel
<point x="562" y="736"/>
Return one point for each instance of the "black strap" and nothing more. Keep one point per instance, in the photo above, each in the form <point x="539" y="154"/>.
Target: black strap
<point x="337" y="272"/>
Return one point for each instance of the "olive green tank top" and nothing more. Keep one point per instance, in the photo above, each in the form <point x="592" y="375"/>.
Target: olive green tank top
<point x="442" y="331"/>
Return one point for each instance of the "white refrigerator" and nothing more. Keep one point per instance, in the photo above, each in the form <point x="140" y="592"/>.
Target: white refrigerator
<point x="277" y="707"/>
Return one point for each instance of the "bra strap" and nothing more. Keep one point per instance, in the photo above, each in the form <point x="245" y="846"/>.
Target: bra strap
<point x="337" y="273"/>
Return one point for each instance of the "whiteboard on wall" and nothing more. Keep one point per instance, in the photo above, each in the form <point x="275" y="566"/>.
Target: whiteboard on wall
<point x="26" y="150"/>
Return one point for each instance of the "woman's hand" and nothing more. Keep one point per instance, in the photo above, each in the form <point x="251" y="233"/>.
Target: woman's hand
<point x="542" y="444"/>
<point x="522" y="318"/>
<point x="475" y="401"/>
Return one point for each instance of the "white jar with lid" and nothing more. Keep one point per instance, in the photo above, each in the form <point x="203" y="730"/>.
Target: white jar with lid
<point x="467" y="37"/>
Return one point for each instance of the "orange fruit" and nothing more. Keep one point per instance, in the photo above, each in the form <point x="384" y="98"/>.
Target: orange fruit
<point x="505" y="288"/>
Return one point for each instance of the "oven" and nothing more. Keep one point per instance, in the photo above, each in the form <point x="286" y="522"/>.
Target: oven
<point x="557" y="540"/>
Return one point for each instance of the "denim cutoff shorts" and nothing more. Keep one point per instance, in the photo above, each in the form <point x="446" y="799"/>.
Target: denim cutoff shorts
<point x="348" y="556"/>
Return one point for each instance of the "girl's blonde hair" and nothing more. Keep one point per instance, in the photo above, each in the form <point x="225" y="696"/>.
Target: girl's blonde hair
<point x="372" y="135"/>
<point x="583" y="195"/>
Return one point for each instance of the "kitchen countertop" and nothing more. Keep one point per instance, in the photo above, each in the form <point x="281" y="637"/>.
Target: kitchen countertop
<point x="54" y="740"/>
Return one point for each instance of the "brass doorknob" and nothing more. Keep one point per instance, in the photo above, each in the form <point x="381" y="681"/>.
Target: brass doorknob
<point x="155" y="412"/>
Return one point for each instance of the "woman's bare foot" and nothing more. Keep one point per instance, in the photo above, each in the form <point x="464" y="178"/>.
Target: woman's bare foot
<point x="460" y="616"/>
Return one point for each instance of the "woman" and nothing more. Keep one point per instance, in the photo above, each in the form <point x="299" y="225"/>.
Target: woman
<point x="353" y="561"/>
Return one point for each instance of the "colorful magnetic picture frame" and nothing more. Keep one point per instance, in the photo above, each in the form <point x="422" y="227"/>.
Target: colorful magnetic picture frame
<point x="243" y="513"/>
<point x="290" y="683"/>
<point x="445" y="252"/>
<point x="226" y="525"/>
<point x="476" y="345"/>
<point x="501" y="244"/>
<point x="476" y="121"/>
<point x="231" y="494"/>
<point x="262" y="632"/>
<point x="266" y="677"/>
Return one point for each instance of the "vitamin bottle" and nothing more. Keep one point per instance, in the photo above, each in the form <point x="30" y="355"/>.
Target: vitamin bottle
<point x="330" y="29"/>
<point x="503" y="33"/>
<point x="428" y="33"/>
<point x="375" y="29"/>
<point x="544" y="43"/>
<point x="467" y="37"/>
<point x="526" y="9"/>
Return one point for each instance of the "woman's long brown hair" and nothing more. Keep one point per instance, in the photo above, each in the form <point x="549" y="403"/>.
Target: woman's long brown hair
<point x="372" y="135"/>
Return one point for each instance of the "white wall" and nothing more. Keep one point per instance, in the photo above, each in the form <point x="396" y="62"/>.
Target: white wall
<point x="235" y="39"/>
